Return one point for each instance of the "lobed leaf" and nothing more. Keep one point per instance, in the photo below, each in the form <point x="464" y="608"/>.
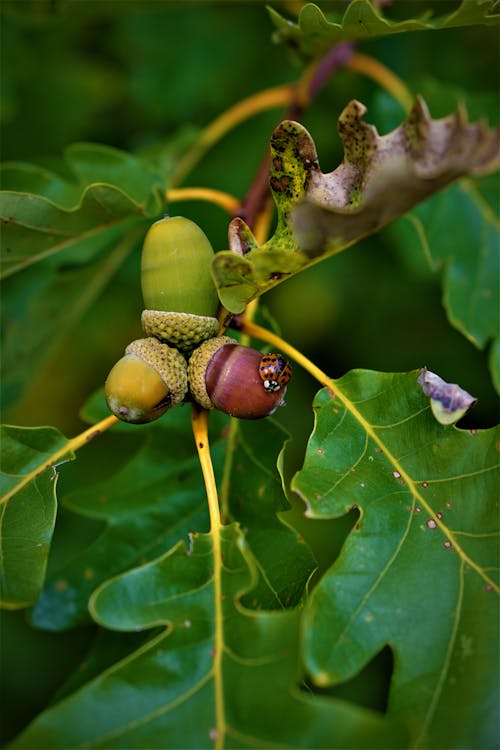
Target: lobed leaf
<point x="314" y="33"/>
<point x="28" y="509"/>
<point x="47" y="216"/>
<point x="459" y="233"/>
<point x="158" y="498"/>
<point x="381" y="178"/>
<point x="420" y="568"/>
<point x="236" y="671"/>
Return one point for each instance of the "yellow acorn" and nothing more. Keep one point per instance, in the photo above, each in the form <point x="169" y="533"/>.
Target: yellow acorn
<point x="148" y="380"/>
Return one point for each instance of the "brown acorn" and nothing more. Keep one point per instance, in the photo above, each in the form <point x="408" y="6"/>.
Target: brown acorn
<point x="148" y="380"/>
<point x="225" y="375"/>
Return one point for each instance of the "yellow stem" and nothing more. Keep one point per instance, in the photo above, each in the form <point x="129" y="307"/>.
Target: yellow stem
<point x="199" y="420"/>
<point x="378" y="72"/>
<point x="279" y="96"/>
<point x="289" y="351"/>
<point x="225" y="200"/>
<point x="72" y="445"/>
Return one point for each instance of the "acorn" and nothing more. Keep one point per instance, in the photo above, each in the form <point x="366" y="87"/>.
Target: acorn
<point x="148" y="380"/>
<point x="228" y="376"/>
<point x="179" y="293"/>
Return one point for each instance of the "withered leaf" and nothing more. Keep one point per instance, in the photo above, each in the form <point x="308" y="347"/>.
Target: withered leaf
<point x="380" y="178"/>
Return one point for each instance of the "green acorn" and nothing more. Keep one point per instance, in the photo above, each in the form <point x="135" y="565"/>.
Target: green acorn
<point x="179" y="293"/>
<point x="146" y="382"/>
<point x="228" y="376"/>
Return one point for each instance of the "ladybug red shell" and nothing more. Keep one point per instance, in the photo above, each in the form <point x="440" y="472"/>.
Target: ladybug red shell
<point x="274" y="371"/>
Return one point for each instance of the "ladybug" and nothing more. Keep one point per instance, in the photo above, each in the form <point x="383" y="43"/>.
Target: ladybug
<point x="274" y="371"/>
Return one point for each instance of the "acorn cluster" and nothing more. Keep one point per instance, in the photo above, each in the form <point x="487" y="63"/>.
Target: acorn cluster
<point x="182" y="358"/>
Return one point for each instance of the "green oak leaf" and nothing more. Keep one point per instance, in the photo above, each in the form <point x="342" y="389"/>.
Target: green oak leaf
<point x="46" y="215"/>
<point x="314" y="33"/>
<point x="158" y="497"/>
<point x="44" y="306"/>
<point x="216" y="675"/>
<point x="458" y="232"/>
<point x="419" y="571"/>
<point x="494" y="362"/>
<point x="380" y="178"/>
<point x="28" y="509"/>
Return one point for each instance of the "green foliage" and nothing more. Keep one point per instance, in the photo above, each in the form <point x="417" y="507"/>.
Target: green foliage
<point x="349" y="598"/>
<point x="315" y="33"/>
<point x="178" y="672"/>
<point x="28" y="510"/>
<point x="423" y="492"/>
<point x="459" y="231"/>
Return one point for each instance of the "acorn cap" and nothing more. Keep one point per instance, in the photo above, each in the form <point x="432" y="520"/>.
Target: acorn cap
<point x="197" y="368"/>
<point x="150" y="379"/>
<point x="183" y="330"/>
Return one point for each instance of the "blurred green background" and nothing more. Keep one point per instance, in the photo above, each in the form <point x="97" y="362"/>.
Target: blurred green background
<point x="146" y="77"/>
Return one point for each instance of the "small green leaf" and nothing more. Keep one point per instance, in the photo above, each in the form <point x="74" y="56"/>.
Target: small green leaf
<point x="218" y="674"/>
<point x="28" y="509"/>
<point x="314" y="33"/>
<point x="381" y="178"/>
<point x="421" y="562"/>
<point x="93" y="163"/>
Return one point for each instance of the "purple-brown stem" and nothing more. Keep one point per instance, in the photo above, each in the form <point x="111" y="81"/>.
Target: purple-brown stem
<point x="255" y="200"/>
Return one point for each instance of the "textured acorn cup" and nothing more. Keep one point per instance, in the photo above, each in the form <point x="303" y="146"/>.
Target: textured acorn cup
<point x="224" y="375"/>
<point x="148" y="380"/>
<point x="179" y="293"/>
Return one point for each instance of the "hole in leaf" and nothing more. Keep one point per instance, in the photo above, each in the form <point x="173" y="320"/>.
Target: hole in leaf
<point x="369" y="688"/>
<point x="326" y="538"/>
